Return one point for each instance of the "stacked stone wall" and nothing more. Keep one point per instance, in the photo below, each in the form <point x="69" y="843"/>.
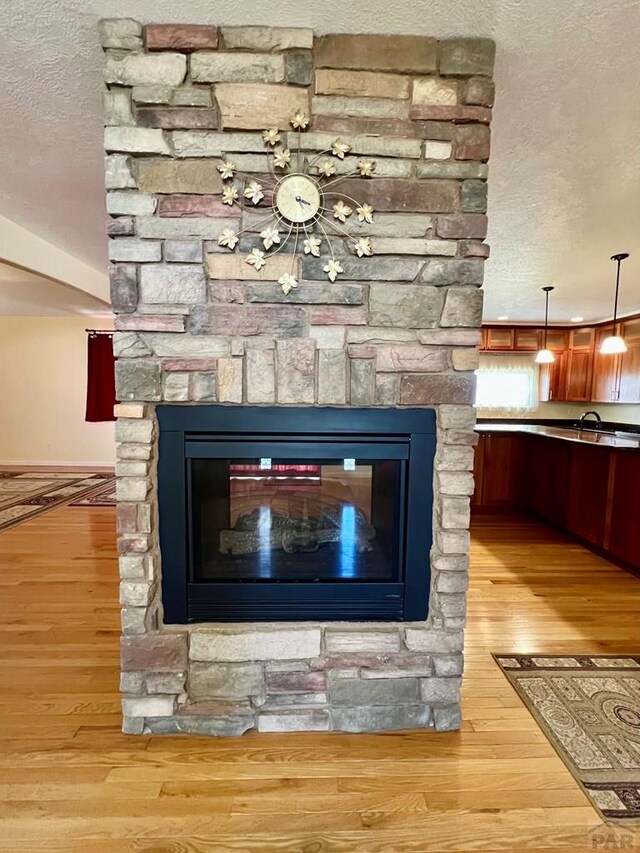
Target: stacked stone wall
<point x="196" y="323"/>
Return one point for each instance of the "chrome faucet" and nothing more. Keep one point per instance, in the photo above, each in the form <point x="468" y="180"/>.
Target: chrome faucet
<point x="586" y="414"/>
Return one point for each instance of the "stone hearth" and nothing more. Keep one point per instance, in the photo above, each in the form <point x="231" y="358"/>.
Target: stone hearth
<point x="196" y="324"/>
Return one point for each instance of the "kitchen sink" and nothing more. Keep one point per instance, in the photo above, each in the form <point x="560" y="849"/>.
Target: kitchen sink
<point x="596" y="431"/>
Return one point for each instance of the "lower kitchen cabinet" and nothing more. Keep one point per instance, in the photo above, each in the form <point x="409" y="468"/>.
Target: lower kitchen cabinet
<point x="547" y="478"/>
<point x="501" y="458"/>
<point x="623" y="534"/>
<point x="588" y="492"/>
<point x="592" y="492"/>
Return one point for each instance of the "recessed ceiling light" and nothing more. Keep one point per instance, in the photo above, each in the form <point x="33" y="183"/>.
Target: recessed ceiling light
<point x="503" y="317"/>
<point x="577" y="319"/>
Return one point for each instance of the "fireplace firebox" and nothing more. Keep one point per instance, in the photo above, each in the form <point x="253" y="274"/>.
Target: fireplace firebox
<point x="282" y="513"/>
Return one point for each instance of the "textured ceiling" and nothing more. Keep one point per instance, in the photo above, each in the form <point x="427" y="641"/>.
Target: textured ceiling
<point x="564" y="191"/>
<point x="25" y="294"/>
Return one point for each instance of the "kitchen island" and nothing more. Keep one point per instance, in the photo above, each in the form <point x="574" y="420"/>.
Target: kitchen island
<point x="582" y="481"/>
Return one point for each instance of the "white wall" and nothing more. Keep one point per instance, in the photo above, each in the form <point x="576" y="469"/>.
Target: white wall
<point x="618" y="412"/>
<point x="43" y="375"/>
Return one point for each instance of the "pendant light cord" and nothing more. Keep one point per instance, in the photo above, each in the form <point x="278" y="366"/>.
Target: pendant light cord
<point x="615" y="301"/>
<point x="547" y="291"/>
<point x="546" y="318"/>
<point x="619" y="258"/>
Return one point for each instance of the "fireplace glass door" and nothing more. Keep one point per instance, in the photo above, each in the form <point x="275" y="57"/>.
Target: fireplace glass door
<point x="305" y="514"/>
<point x="290" y="514"/>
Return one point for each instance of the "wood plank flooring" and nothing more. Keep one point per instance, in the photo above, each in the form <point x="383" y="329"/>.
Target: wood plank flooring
<point x="70" y="781"/>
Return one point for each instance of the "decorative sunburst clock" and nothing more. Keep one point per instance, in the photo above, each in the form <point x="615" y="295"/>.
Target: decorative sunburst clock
<point x="299" y="202"/>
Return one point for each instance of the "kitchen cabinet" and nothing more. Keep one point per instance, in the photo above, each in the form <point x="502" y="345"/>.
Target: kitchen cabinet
<point x="629" y="364"/>
<point x="499" y="338"/>
<point x="606" y="369"/>
<point x="579" y="366"/>
<point x="558" y="340"/>
<point x="501" y="458"/>
<point x="588" y="492"/>
<point x="623" y="536"/>
<point x="527" y="340"/>
<point x="580" y="373"/>
<point x="546" y="481"/>
<point x="553" y="379"/>
<point x="629" y="382"/>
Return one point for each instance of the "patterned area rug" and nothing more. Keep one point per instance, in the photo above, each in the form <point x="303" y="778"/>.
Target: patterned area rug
<point x="589" y="708"/>
<point x="26" y="494"/>
<point x="103" y="497"/>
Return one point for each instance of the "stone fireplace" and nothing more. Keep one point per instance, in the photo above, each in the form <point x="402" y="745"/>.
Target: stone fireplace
<point x="294" y="470"/>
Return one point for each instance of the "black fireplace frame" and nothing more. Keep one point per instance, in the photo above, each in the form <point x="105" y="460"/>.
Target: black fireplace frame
<point x="183" y="436"/>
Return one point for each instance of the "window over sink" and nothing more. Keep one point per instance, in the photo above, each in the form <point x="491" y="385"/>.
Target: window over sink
<point x="507" y="383"/>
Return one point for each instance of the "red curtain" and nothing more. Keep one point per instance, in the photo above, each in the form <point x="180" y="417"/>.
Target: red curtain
<point x="101" y="382"/>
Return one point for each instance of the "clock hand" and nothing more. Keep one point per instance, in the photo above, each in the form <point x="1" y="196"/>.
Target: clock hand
<point x="302" y="201"/>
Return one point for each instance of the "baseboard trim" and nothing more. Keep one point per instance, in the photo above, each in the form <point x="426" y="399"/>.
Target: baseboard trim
<point x="56" y="466"/>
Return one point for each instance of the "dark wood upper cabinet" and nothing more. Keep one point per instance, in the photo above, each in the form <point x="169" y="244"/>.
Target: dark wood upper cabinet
<point x="579" y="365"/>
<point x="527" y="340"/>
<point x="628" y="390"/>
<point x="557" y="339"/>
<point x="631" y="331"/>
<point x="580" y="373"/>
<point x="581" y="339"/>
<point x="629" y="383"/>
<point x="499" y="338"/>
<point x="606" y="370"/>
<point x="553" y="379"/>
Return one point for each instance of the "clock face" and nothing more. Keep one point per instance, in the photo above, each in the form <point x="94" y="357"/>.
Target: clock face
<point x="297" y="198"/>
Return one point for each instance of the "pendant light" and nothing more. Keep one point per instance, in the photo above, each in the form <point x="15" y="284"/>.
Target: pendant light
<point x="545" y="356"/>
<point x="615" y="343"/>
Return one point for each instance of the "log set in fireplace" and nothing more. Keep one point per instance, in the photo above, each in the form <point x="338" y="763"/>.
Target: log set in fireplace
<point x="270" y="514"/>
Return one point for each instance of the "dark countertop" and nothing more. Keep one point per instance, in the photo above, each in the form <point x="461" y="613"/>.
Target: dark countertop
<point x="620" y="440"/>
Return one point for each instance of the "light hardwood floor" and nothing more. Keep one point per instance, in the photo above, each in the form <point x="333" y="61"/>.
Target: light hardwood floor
<point x="70" y="781"/>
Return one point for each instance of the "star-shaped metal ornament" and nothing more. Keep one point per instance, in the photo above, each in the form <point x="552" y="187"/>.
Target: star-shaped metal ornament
<point x="271" y="136"/>
<point x="227" y="170"/>
<point x="362" y="247"/>
<point x="287" y="282"/>
<point x="281" y="158"/>
<point x="312" y="246"/>
<point x="332" y="269"/>
<point x="256" y="259"/>
<point x="228" y="238"/>
<point x="270" y="236"/>
<point x="366" y="168"/>
<point x="339" y="148"/>
<point x="229" y="194"/>
<point x="327" y="168"/>
<point x="254" y="192"/>
<point x="341" y="211"/>
<point x="365" y="213"/>
<point x="300" y="120"/>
